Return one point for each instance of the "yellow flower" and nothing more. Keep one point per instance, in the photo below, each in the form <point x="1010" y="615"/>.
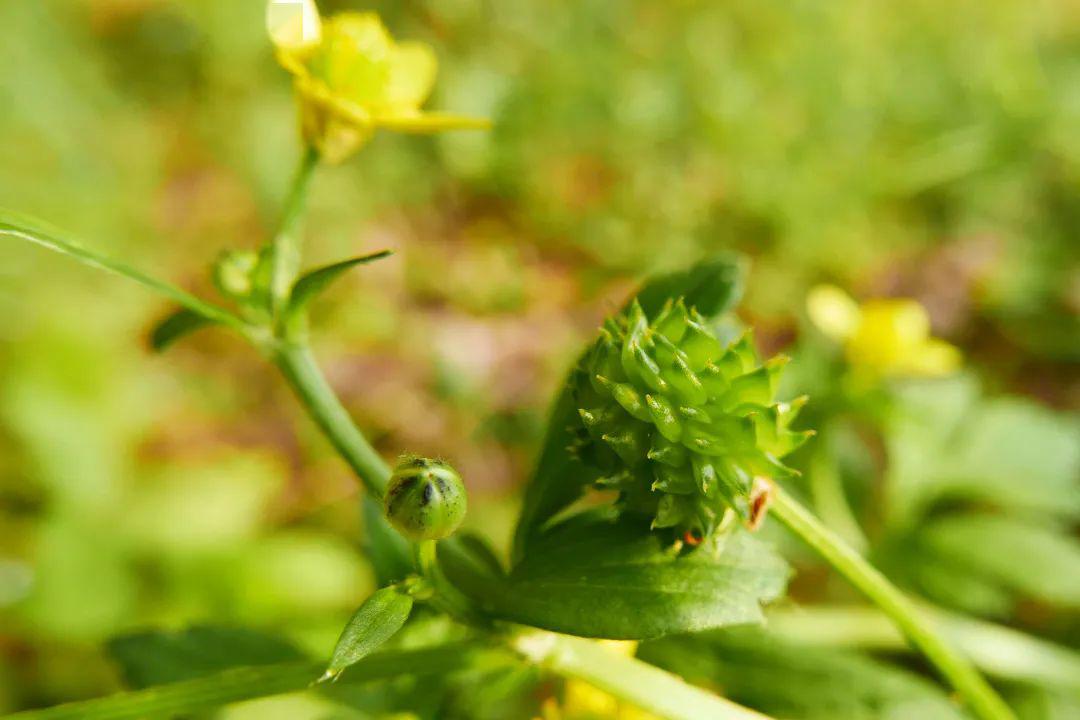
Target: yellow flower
<point x="885" y="337"/>
<point x="352" y="78"/>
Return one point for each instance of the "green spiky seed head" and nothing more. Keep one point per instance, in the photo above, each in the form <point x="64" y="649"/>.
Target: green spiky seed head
<point x="680" y="423"/>
<point x="425" y="499"/>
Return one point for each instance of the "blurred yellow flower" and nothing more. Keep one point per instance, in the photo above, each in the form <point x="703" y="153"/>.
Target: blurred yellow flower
<point x="885" y="337"/>
<point x="352" y="77"/>
<point x="582" y="701"/>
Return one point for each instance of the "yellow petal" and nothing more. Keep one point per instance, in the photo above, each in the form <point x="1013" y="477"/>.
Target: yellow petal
<point x="293" y="24"/>
<point x="936" y="357"/>
<point x="431" y="122"/>
<point x="890" y="335"/>
<point x="833" y="311"/>
<point x="412" y="75"/>
<point x="354" y="59"/>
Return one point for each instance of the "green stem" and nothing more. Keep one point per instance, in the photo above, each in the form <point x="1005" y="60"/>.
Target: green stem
<point x="287" y="243"/>
<point x="827" y="491"/>
<point x="301" y="371"/>
<point x="246" y="683"/>
<point x="639" y="683"/>
<point x="974" y="689"/>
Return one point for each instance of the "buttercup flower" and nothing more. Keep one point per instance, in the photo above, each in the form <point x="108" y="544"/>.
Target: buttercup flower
<point x="352" y="78"/>
<point x="885" y="337"/>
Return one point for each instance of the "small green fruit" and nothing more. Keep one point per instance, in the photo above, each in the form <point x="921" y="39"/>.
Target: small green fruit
<point x="425" y="499"/>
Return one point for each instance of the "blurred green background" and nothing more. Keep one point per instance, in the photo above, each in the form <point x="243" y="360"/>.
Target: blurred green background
<point x="922" y="149"/>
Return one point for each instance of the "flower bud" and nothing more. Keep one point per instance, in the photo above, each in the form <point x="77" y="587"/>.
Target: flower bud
<point x="425" y="500"/>
<point x="234" y="273"/>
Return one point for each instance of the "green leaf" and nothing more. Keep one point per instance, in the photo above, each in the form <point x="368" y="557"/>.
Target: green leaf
<point x="1034" y="560"/>
<point x="594" y="577"/>
<point x="790" y="680"/>
<point x="178" y="324"/>
<point x="182" y="699"/>
<point x="314" y="282"/>
<point x="712" y="287"/>
<point x="946" y="442"/>
<point x="155" y="657"/>
<point x="36" y="232"/>
<point x="374" y="622"/>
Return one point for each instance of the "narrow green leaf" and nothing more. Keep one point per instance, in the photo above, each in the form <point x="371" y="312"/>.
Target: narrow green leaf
<point x="35" y="231"/>
<point x="155" y="658"/>
<point x="712" y="287"/>
<point x="177" y="325"/>
<point x="796" y="681"/>
<point x="375" y="622"/>
<point x="314" y="282"/>
<point x="182" y="699"/>
<point x="593" y="577"/>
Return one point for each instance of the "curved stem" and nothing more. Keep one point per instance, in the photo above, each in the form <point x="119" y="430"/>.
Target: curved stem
<point x="921" y="633"/>
<point x="286" y="245"/>
<point x="300" y="369"/>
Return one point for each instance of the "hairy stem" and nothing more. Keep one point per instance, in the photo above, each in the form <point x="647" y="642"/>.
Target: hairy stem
<point x="286" y="246"/>
<point x="639" y="683"/>
<point x="306" y="380"/>
<point x="246" y="683"/>
<point x="921" y="633"/>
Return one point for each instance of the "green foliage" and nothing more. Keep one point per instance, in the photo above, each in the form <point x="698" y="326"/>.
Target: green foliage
<point x="374" y="622"/>
<point x="598" y="577"/>
<point x="789" y="680"/>
<point x="314" y="282"/>
<point x="177" y="325"/>
<point x="157" y="658"/>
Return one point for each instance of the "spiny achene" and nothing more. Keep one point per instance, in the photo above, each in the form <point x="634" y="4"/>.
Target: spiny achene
<point x="678" y="423"/>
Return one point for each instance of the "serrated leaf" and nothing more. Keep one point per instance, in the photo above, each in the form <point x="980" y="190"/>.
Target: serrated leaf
<point x="595" y="577"/>
<point x="177" y="325"/>
<point x="156" y="657"/>
<point x="373" y="623"/>
<point x="35" y="231"/>
<point x="311" y="284"/>
<point x="712" y="287"/>
<point x="797" y="681"/>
